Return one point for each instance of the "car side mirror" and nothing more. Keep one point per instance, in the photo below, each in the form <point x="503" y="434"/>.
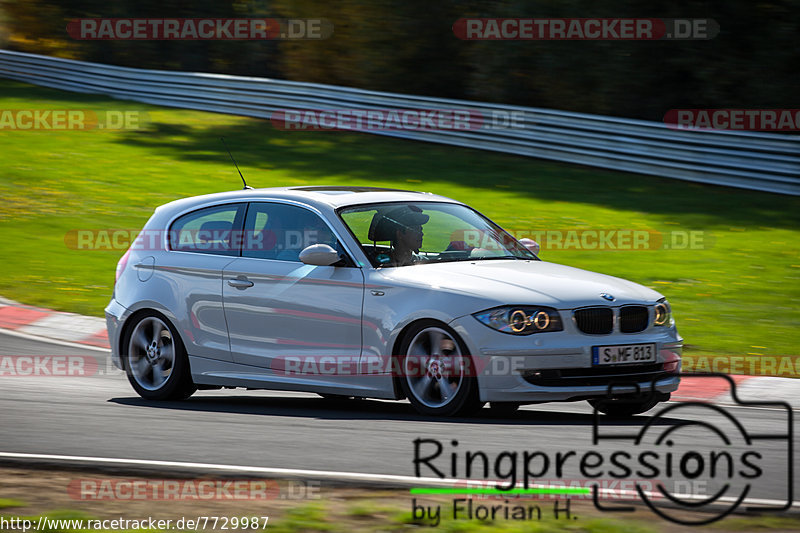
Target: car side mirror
<point x="319" y="255"/>
<point x="530" y="244"/>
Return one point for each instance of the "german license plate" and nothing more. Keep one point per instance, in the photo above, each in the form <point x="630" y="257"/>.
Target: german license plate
<point x="623" y="354"/>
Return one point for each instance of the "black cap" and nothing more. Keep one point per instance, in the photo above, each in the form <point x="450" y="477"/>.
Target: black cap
<point x="407" y="216"/>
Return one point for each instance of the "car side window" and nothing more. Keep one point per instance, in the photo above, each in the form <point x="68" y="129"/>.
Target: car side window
<point x="282" y="231"/>
<point x="211" y="230"/>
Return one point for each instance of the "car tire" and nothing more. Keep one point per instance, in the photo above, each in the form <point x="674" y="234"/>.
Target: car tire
<point x="155" y="359"/>
<point x="436" y="371"/>
<point x="623" y="407"/>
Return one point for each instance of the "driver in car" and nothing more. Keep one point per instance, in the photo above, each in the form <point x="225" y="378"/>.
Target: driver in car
<point x="407" y="233"/>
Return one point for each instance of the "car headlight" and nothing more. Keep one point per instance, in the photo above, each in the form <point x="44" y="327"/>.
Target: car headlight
<point x="521" y="320"/>
<point x="663" y="313"/>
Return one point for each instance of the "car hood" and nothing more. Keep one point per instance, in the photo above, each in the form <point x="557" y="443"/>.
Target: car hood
<point x="501" y="282"/>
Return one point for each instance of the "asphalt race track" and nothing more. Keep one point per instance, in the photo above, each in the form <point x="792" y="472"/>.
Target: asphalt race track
<point x="101" y="416"/>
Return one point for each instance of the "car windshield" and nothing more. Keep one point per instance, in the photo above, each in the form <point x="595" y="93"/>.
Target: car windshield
<point x="405" y="233"/>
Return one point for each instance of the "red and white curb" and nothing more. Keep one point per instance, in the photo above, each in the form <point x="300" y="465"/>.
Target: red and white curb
<point x="51" y="324"/>
<point x="748" y="389"/>
<point x="91" y="331"/>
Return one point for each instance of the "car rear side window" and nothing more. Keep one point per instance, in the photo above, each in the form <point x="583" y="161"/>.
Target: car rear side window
<point x="281" y="231"/>
<point x="211" y="230"/>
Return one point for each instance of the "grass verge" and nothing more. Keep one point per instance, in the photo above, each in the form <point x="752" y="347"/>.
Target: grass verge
<point x="734" y="290"/>
<point x="314" y="506"/>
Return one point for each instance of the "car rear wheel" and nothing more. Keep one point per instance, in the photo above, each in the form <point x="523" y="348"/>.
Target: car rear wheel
<point x="156" y="361"/>
<point x="437" y="371"/>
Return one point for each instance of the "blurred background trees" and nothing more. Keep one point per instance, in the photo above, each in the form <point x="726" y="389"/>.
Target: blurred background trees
<point x="408" y="46"/>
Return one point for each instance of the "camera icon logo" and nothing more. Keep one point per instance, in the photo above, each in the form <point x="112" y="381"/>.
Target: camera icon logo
<point x="702" y="456"/>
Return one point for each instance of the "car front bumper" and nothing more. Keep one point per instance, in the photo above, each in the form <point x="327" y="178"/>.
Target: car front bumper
<point x="557" y="366"/>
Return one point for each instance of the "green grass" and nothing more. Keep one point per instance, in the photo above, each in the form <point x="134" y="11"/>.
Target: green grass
<point x="737" y="295"/>
<point x="6" y="503"/>
<point x="319" y="517"/>
<point x="363" y="515"/>
<point x="309" y="517"/>
<point x="369" y="516"/>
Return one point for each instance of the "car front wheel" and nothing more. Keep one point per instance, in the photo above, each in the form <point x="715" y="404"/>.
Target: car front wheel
<point x="437" y="375"/>
<point x="156" y="361"/>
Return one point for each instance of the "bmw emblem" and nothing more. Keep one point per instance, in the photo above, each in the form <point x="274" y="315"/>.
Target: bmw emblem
<point x="606" y="296"/>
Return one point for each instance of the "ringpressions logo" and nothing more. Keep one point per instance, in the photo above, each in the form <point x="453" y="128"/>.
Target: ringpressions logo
<point x="681" y="445"/>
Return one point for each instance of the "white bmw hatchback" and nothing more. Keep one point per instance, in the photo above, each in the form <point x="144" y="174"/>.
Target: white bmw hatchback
<point x="377" y="293"/>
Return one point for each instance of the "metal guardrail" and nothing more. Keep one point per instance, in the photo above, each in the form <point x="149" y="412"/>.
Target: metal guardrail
<point x="760" y="161"/>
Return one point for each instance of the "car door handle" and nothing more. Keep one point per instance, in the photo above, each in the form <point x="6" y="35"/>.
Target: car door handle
<point x="240" y="283"/>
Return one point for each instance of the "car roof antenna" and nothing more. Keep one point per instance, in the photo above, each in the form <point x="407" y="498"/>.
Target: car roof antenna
<point x="246" y="186"/>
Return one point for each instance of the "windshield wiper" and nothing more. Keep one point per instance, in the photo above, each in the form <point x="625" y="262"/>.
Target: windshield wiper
<point x="461" y="259"/>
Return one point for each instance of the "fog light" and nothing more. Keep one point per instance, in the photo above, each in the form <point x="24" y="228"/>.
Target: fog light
<point x="672" y="361"/>
<point x="671" y="366"/>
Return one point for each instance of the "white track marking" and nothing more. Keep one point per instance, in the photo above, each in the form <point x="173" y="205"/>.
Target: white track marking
<point x="392" y="479"/>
